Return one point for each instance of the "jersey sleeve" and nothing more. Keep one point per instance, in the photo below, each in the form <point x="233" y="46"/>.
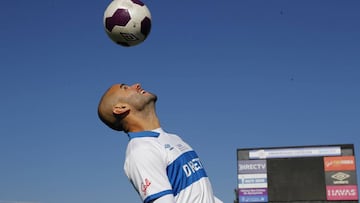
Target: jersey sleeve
<point x="165" y="199"/>
<point x="145" y="167"/>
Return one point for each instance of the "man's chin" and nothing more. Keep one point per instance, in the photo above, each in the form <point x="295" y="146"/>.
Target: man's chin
<point x="152" y="96"/>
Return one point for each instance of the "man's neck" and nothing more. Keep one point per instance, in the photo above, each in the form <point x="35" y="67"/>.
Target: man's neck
<point x="147" y="123"/>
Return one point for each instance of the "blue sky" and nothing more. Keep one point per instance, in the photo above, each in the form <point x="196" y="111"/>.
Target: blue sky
<point x="230" y="74"/>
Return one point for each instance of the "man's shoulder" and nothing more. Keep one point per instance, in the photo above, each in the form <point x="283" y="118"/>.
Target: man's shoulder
<point x="143" y="146"/>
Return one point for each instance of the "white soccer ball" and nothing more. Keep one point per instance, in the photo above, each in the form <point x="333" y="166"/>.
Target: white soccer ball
<point x="127" y="22"/>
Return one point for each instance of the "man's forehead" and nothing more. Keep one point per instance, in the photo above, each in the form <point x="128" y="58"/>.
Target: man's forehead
<point x="116" y="87"/>
<point x="113" y="89"/>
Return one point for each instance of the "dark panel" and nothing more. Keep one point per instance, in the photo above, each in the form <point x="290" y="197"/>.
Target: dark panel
<point x="296" y="179"/>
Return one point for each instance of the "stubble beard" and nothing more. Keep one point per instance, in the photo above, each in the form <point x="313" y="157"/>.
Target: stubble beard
<point x="141" y="102"/>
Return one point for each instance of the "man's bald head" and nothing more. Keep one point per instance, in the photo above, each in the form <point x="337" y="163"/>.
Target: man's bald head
<point x="105" y="109"/>
<point x="128" y="108"/>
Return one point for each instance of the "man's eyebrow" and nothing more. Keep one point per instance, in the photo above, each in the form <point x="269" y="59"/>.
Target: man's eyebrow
<point x="121" y="86"/>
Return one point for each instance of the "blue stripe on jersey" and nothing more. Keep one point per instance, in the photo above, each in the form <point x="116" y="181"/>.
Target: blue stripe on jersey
<point x="157" y="195"/>
<point x="184" y="171"/>
<point x="142" y="134"/>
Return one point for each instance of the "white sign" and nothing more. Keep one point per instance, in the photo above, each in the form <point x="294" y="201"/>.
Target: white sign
<point x="294" y="152"/>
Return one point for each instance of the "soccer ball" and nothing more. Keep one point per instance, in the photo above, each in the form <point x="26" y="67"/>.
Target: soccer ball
<point x="127" y="22"/>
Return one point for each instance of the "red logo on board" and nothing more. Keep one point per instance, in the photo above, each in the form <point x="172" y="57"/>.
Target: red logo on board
<point x="343" y="192"/>
<point x="339" y="163"/>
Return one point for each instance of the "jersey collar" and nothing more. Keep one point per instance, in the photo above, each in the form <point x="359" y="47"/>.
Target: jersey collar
<point x="143" y="134"/>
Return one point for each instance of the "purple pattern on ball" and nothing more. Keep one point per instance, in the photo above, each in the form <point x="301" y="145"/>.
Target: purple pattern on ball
<point x="138" y="2"/>
<point x="145" y="26"/>
<point x="121" y="17"/>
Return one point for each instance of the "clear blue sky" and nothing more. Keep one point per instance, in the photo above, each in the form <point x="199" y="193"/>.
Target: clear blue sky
<point x="229" y="74"/>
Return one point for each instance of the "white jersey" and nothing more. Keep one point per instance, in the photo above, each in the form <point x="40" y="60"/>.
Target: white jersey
<point x="158" y="164"/>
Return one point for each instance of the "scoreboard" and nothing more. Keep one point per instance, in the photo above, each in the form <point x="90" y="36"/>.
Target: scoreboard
<point x="301" y="174"/>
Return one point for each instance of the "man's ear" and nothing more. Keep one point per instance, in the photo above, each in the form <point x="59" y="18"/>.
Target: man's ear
<point x="120" y="108"/>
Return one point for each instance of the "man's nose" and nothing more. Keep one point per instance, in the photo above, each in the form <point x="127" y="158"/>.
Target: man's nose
<point x="136" y="86"/>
